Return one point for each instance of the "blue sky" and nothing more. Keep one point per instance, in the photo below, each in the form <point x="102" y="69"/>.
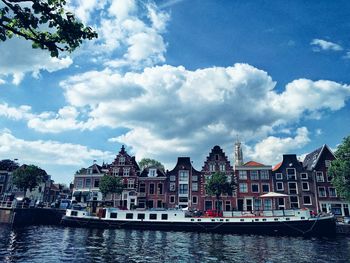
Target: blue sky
<point x="174" y="78"/>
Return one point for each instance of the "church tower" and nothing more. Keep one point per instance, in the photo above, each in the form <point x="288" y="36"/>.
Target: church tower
<point x="238" y="153"/>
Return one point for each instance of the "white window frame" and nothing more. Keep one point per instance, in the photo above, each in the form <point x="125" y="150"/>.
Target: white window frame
<point x="174" y="198"/>
<point x="152" y="172"/>
<point x="252" y="188"/>
<point x="296" y="188"/>
<point x="246" y="188"/>
<point x="212" y="167"/>
<point x="121" y="160"/>
<point x="196" y="200"/>
<point x="183" y="176"/>
<point x="126" y="172"/>
<point x="172" y="178"/>
<point x="264" y="175"/>
<point x="335" y="191"/>
<point x="319" y="176"/>
<point x="222" y="167"/>
<point x="194" y="186"/>
<point x="279" y="189"/>
<point x="242" y="175"/>
<point x="291" y="175"/>
<point x="279" y="176"/>
<point x="131" y="183"/>
<point x="297" y="197"/>
<point x="302" y="186"/>
<point x="254" y="175"/>
<point x="79" y="183"/>
<point x="310" y="200"/>
<point x="302" y="176"/>
<point x="262" y="188"/>
<point x="172" y="187"/>
<point x="319" y="193"/>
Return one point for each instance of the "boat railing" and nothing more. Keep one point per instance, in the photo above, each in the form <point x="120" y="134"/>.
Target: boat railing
<point x="14" y="204"/>
<point x="275" y="213"/>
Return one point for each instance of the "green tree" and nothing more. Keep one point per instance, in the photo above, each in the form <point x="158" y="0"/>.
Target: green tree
<point x="219" y="184"/>
<point x="27" y="177"/>
<point x="340" y="169"/>
<point x="8" y="165"/>
<point x="147" y="162"/>
<point x="110" y="185"/>
<point x="45" y="23"/>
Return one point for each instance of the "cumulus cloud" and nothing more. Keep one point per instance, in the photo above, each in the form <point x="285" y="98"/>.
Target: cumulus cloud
<point x="320" y="44"/>
<point x="18" y="58"/>
<point x="270" y="150"/>
<point x="47" y="152"/>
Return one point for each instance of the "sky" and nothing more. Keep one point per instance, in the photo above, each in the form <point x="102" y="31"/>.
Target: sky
<point x="173" y="78"/>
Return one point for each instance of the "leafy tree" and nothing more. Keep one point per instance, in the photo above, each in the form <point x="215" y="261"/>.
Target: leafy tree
<point x="8" y="165"/>
<point x="146" y="163"/>
<point x="218" y="185"/>
<point x="110" y="185"/>
<point x="45" y="23"/>
<point x="340" y="169"/>
<point x="27" y="177"/>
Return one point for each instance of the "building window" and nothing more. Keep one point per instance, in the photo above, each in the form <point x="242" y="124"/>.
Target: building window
<point x="257" y="204"/>
<point x="304" y="176"/>
<point x="279" y="186"/>
<point x="194" y="178"/>
<point x="254" y="175"/>
<point x="160" y="189"/>
<point x="279" y="176"/>
<point x="255" y="188"/>
<point x="264" y="175"/>
<point x="329" y="177"/>
<point x="172" y="178"/>
<point x="267" y="204"/>
<point x="194" y="199"/>
<point x="332" y="192"/>
<point x="115" y="171"/>
<point x="327" y="163"/>
<point x="183" y="199"/>
<point x="291" y="174"/>
<point x="294" y="202"/>
<point x="212" y="167"/>
<point x="307" y="200"/>
<point x="183" y="176"/>
<point x="172" y="199"/>
<point x="183" y="189"/>
<point x="151" y="189"/>
<point x="319" y="177"/>
<point x="265" y="188"/>
<point x="293" y="189"/>
<point x="194" y="186"/>
<point x="121" y="160"/>
<point x="126" y="172"/>
<point x="142" y="188"/>
<point x="242" y="175"/>
<point x="305" y="186"/>
<point x="79" y="183"/>
<point x="97" y="183"/>
<point x="152" y="172"/>
<point x="243" y="188"/>
<point x="172" y="187"/>
<point x="131" y="183"/>
<point x="87" y="182"/>
<point x="2" y="178"/>
<point x="322" y="191"/>
<point x="159" y="203"/>
<point x="222" y="168"/>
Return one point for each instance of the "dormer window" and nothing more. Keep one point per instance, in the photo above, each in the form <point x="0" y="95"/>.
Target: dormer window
<point x="89" y="171"/>
<point x="152" y="172"/>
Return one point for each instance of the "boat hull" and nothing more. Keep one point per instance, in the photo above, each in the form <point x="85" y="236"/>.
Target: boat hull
<point x="316" y="227"/>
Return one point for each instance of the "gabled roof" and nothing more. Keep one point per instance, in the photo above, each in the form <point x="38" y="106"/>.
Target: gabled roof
<point x="312" y="158"/>
<point x="277" y="166"/>
<point x="253" y="163"/>
<point x="145" y="172"/>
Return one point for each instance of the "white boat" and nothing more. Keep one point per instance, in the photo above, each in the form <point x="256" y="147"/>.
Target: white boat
<point x="278" y="222"/>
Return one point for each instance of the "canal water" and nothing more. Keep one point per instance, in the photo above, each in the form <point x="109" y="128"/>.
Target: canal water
<point x="62" y="244"/>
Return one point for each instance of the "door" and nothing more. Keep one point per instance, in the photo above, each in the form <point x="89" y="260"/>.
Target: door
<point x="249" y="204"/>
<point x="240" y="203"/>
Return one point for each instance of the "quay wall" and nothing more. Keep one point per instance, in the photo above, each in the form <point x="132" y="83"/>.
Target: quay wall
<point x="31" y="216"/>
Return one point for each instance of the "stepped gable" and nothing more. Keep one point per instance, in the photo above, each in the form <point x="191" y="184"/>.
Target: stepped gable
<point x="217" y="155"/>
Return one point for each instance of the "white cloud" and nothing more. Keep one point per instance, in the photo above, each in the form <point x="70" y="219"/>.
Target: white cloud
<point x="271" y="149"/>
<point x="320" y="44"/>
<point x="21" y="113"/>
<point x="47" y="152"/>
<point x="18" y="58"/>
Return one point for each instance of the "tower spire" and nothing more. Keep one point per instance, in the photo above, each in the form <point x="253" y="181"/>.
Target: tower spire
<point x="238" y="153"/>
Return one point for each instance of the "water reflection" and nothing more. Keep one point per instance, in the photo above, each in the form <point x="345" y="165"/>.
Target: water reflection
<point x="58" y="244"/>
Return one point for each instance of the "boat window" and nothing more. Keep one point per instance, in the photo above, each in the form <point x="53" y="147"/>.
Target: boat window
<point x="213" y="220"/>
<point x="113" y="215"/>
<point x="264" y="219"/>
<point x="140" y="216"/>
<point x="302" y="217"/>
<point x="276" y="219"/>
<point x="199" y="219"/>
<point x="227" y="220"/>
<point x="192" y="219"/>
<point x="74" y="213"/>
<point x="152" y="216"/>
<point x="287" y="218"/>
<point x="221" y="220"/>
<point x="242" y="220"/>
<point x="256" y="219"/>
<point x="164" y="216"/>
<point x="129" y="216"/>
